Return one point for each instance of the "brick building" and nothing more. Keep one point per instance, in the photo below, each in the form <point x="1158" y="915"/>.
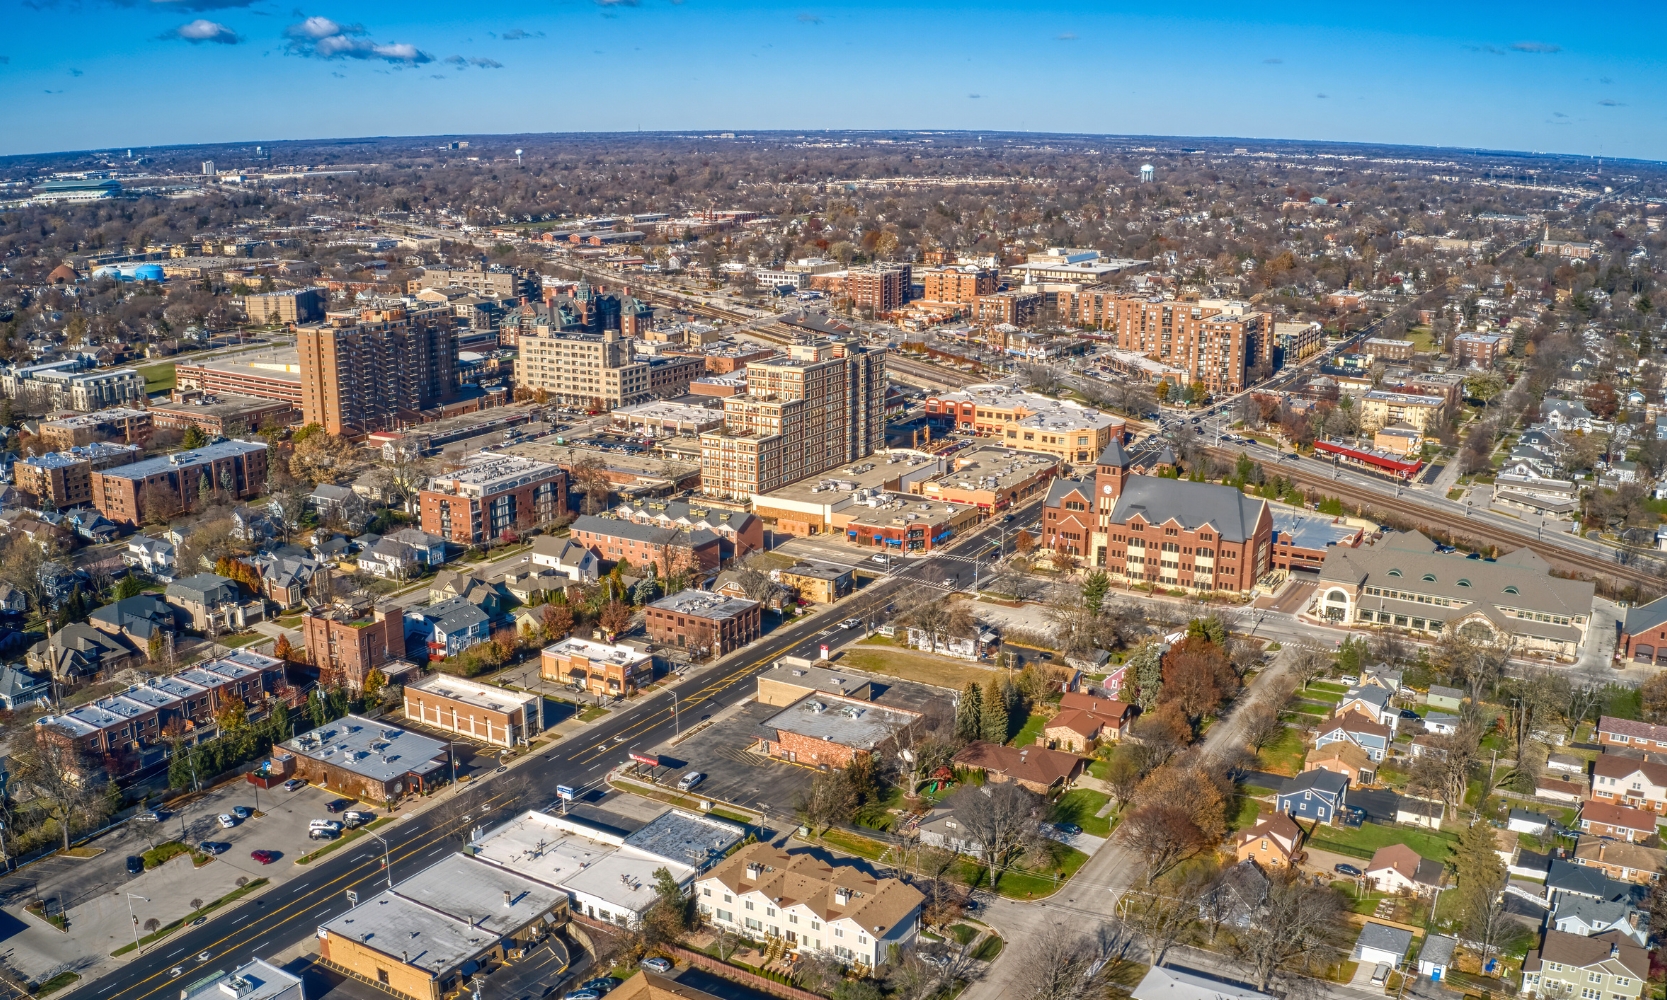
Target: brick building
<point x="377" y="370"/>
<point x="118" y="423"/>
<point x="738" y="531"/>
<point x="963" y="285"/>
<point x="65" y="478"/>
<point x="346" y="641"/>
<point x="291" y="305"/>
<point x="1143" y="529"/>
<point x="599" y="668"/>
<point x="221" y="415"/>
<point x="1065" y="429"/>
<point x="274" y="374"/>
<point x="492" y="715"/>
<point x="1013" y="307"/>
<point x="231" y="468"/>
<point x="1214" y="341"/>
<point x="1479" y="350"/>
<point x="881" y="288"/>
<point x="490" y="495"/>
<point x="702" y="622"/>
<point x="669" y="549"/>
<point x="827" y="730"/>
<point x="366" y="759"/>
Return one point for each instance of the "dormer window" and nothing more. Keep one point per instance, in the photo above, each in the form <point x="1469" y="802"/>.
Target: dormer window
<point x="1429" y="577"/>
<point x="1512" y="590"/>
<point x="1464" y="583"/>
<point x="1394" y="572"/>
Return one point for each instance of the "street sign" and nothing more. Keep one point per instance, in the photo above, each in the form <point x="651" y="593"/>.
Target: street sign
<point x="564" y="791"/>
<point x="646" y="758"/>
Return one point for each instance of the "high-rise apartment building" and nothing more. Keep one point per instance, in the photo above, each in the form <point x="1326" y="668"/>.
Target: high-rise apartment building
<point x="817" y="409"/>
<point x="962" y="284"/>
<point x="1215" y="341"/>
<point x="378" y="370"/>
<point x="598" y="370"/>
<point x="879" y="287"/>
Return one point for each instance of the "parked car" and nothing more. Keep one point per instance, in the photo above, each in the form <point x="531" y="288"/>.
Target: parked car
<point x="1068" y="829"/>
<point x="657" y="965"/>
<point x="1347" y="869"/>
<point x="135" y="864"/>
<point x="148" y="816"/>
<point x="264" y="857"/>
<point x="355" y="819"/>
<point x="582" y="995"/>
<point x="690" y="780"/>
<point x="877" y="559"/>
<point x="333" y="825"/>
<point x="1380" y="975"/>
<point x="293" y="784"/>
<point x="321" y="833"/>
<point x="241" y="812"/>
<point x="602" y="984"/>
<point x="339" y="805"/>
<point x="226" y="821"/>
<point x="212" y="847"/>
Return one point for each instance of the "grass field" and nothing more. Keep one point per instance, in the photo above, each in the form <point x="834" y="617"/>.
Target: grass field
<point x="1079" y="806"/>
<point x="910" y="665"/>
<point x="1032" y="729"/>
<point x="1365" y="841"/>
<point x="1284" y="755"/>
<point x="158" y="378"/>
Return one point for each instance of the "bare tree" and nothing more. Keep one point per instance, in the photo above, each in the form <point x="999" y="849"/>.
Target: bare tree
<point x="1262" y="726"/>
<point x="402" y="478"/>
<point x="1003" y="819"/>
<point x="1308" y="665"/>
<point x="1061" y="965"/>
<point x="1164" y="914"/>
<point x="828" y="799"/>
<point x="1162" y="835"/>
<point x="1295" y="932"/>
<point x="70" y="784"/>
<point x="1445" y="766"/>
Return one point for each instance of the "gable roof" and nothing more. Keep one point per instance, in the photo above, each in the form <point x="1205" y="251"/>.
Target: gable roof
<point x="1277" y="827"/>
<point x="1355" y="724"/>
<point x="1611" y="726"/>
<point x="1408" y="560"/>
<point x="1612" y="951"/>
<point x="1034" y="764"/>
<point x="1397" y="857"/>
<point x="1595" y="851"/>
<point x="791" y="879"/>
<point x="1344" y="752"/>
<point x="1382" y="937"/>
<point x="1326" y="782"/>
<point x="1618" y="766"/>
<point x="1060" y="488"/>
<point x="1611" y="814"/>
<point x="1162" y="983"/>
<point x="1645" y="617"/>
<point x="1234" y="515"/>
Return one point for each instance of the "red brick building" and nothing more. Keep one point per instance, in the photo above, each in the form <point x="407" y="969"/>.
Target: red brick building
<point x="703" y="622"/>
<point x="492" y="494"/>
<point x="670" y="550"/>
<point x="825" y="730"/>
<point x="347" y="641"/>
<point x="1480" y="350"/>
<point x="879" y="287"/>
<point x="957" y="284"/>
<point x="1015" y="308"/>
<point x="235" y="469"/>
<point x="1214" y="341"/>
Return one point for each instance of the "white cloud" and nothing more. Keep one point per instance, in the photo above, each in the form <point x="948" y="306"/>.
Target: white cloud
<point x="322" y="38"/>
<point x="203" y="30"/>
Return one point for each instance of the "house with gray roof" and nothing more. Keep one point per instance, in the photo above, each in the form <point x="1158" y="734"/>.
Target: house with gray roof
<point x="19" y="688"/>
<point x="213" y="603"/>
<point x="446" y="628"/>
<point x="1382" y="943"/>
<point x="138" y="618"/>
<point x="78" y="652"/>
<point x="1644" y="633"/>
<point x="1402" y="582"/>
<point x="1589" y="917"/>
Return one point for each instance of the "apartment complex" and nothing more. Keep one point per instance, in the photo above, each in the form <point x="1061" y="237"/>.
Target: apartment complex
<point x="118" y="423"/>
<point x="963" y="285"/>
<point x="881" y="288"/>
<point x="669" y="549"/>
<point x="65" y="478"/>
<point x="347" y="640"/>
<point x="70" y="385"/>
<point x="291" y="305"/>
<point x="1380" y="408"/>
<point x="817" y="409"/>
<point x="1064" y="429"/>
<point x="598" y="371"/>
<point x="1214" y="341"/>
<point x="377" y="370"/>
<point x="1479" y="350"/>
<point x="490" y="495"/>
<point x="1143" y="529"/>
<point x="1013" y="307"/>
<point x="479" y="279"/>
<point x="231" y="468"/>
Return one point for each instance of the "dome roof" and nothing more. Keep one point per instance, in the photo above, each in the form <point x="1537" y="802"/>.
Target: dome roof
<point x="63" y="273"/>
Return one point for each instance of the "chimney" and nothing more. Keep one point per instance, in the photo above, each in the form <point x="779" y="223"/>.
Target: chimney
<point x="755" y="872"/>
<point x="1614" y="949"/>
<point x="842" y="895"/>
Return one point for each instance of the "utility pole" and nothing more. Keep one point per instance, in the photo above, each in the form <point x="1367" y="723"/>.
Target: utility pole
<point x="134" y="918"/>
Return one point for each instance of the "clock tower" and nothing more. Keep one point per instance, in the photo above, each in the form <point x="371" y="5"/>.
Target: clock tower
<point x="1110" y="475"/>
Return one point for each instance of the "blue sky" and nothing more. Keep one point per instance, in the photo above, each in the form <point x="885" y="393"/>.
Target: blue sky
<point x="78" y="74"/>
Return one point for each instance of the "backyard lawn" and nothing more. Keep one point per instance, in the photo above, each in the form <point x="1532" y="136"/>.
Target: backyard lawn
<point x="1365" y="841"/>
<point x="1079" y="806"/>
<point x="1027" y="736"/>
<point x="1284" y="755"/>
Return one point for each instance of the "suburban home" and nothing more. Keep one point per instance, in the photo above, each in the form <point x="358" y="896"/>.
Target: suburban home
<point x="1372" y="737"/>
<point x="1398" y="868"/>
<point x="286" y="574"/>
<point x="1037" y="768"/>
<point x="1605" y="819"/>
<point x="567" y="557"/>
<point x="154" y="556"/>
<point x="13" y="601"/>
<point x="338" y="503"/>
<point x="1572" y="878"/>
<point x="19" y="688"/>
<point x="446" y="628"/>
<point x="1532" y="823"/>
<point x="1083" y="721"/>
<point x="1568" y="965"/>
<point x="1313" y="795"/>
<point x="811" y="906"/>
<point x="1345" y="758"/>
<point x="1590" y="917"/>
<point x="400" y="555"/>
<point x="450" y="583"/>
<point x="1445" y="698"/>
<point x="1620" y="860"/>
<point x="1274" y="842"/>
<point x="1629" y="781"/>
<point x="942" y="830"/>
<point x="1426" y="813"/>
<point x="138" y="619"/>
<point x="1560" y="787"/>
<point x="1441" y="723"/>
<point x="213" y="603"/>
<point x="78" y="651"/>
<point x="1632" y="735"/>
<point x="1163" y="983"/>
<point x="1382" y="943"/>
<point x="1373" y="703"/>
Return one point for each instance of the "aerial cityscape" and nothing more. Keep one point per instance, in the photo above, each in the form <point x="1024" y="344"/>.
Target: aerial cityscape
<point x="687" y="537"/>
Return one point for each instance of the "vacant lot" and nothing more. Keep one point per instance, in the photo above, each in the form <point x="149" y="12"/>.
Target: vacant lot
<point x="926" y="668"/>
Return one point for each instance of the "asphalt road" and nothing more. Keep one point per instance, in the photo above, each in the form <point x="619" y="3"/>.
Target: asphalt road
<point x="290" y="912"/>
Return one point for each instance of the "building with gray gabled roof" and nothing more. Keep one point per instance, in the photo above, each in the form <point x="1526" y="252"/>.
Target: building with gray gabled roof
<point x="1402" y="582"/>
<point x="1152" y="531"/>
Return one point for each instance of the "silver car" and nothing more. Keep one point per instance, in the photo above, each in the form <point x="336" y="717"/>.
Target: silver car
<point x="690" y="780"/>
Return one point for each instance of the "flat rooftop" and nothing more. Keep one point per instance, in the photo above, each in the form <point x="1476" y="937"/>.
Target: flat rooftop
<point x="687" y="838"/>
<point x="197" y="456"/>
<point x="861" y="725"/>
<point x="488" y="473"/>
<point x="570" y="854"/>
<point x="645" y="468"/>
<point x="376" y="750"/>
<point x="661" y="412"/>
<point x="96" y="451"/>
<point x="872" y="473"/>
<point x="409" y="931"/>
<point x="493" y="699"/>
<point x="574" y="646"/>
<point x="224" y="404"/>
<point x="256" y="980"/>
<point x="704" y="604"/>
<point x="495" y="899"/>
<point x="1309" y="531"/>
<point x="281" y="363"/>
<point x="993" y="468"/>
<point x="96" y="417"/>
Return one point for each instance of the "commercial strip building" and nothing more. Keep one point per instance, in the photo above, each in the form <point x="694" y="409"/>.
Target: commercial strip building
<point x="811" y="506"/>
<point x="235" y="469"/>
<point x="810" y="906"/>
<point x="661" y="418"/>
<point x="364" y="758"/>
<point x="1402" y="582"/>
<point x="64" y="479"/>
<point x="822" y="407"/>
<point x="377" y="370"/>
<point x="482" y="712"/>
<point x="492" y="493"/>
<point x="1067" y="430"/>
<point x="597" y="667"/>
<point x="425" y="937"/>
<point x="1167" y="532"/>
<point x="895" y="523"/>
<point x="256" y="979"/>
<point x="267" y="374"/>
<point x="703" y="622"/>
<point x="825" y="730"/>
<point x="607" y="876"/>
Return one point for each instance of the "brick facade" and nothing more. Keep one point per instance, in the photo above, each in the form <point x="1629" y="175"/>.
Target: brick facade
<point x="346" y="646"/>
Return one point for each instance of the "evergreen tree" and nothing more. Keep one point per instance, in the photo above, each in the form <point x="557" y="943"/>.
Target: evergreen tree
<point x="1094" y="590"/>
<point x="1145" y="673"/>
<point x="993" y="724"/>
<point x="969" y="713"/>
<point x="1481" y="878"/>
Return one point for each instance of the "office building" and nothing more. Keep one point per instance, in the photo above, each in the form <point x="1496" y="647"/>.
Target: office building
<point x="492" y="494"/>
<point x="221" y="415"/>
<point x="378" y="370"/>
<point x="480" y="712"/>
<point x="176" y="482"/>
<point x="1065" y="429"/>
<point x="963" y="284"/>
<point x="117" y="423"/>
<point x="599" y="668"/>
<point x="702" y="622"/>
<point x="292" y="305"/>
<point x="819" y="408"/>
<point x="1164" y="532"/>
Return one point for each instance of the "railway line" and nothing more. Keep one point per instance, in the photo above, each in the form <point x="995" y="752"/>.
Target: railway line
<point x="1644" y="572"/>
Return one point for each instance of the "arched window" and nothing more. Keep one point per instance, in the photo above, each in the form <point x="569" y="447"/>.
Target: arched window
<point x="1429" y="577"/>
<point x="1464" y="583"/>
<point x="1337" y="597"/>
<point x="1394" y="572"/>
<point x="1512" y="589"/>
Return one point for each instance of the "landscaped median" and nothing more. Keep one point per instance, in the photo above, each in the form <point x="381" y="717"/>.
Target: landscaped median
<point x="205" y="910"/>
<point x="346" y="838"/>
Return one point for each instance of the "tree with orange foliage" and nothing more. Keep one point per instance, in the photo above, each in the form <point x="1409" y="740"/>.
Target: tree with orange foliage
<point x="1197" y="677"/>
<point x="557" y="620"/>
<point x="616" y="616"/>
<point x="1024" y="542"/>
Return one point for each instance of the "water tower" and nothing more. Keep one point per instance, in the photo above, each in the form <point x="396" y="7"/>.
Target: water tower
<point x="518" y="157"/>
<point x="1145" y="173"/>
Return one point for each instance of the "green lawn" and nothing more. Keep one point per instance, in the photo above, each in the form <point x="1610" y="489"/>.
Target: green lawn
<point x="1365" y="841"/>
<point x="1318" y="697"/>
<point x="158" y="378"/>
<point x="1327" y="687"/>
<point x="1028" y="735"/>
<point x="1249" y="809"/>
<point x="1079" y="806"/>
<point x="1284" y="755"/>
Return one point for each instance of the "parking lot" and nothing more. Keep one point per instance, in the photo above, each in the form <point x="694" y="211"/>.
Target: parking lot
<point x="94" y="892"/>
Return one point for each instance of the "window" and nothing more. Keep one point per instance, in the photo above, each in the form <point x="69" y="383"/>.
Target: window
<point x="1464" y="583"/>
<point x="1594" y="977"/>
<point x="839" y="931"/>
<point x="707" y="892"/>
<point x="1429" y="577"/>
<point x="815" y="924"/>
<point x="1394" y="572"/>
<point x="726" y="916"/>
<point x="1512" y="590"/>
<point x="1590" y="994"/>
<point x="749" y="904"/>
<point x="769" y="911"/>
<point x="754" y="925"/>
<point x="1622" y="981"/>
<point x="792" y="918"/>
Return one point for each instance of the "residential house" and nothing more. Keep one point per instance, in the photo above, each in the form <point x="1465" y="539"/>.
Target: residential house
<point x="1590" y="917"/>
<point x="20" y="689"/>
<point x="942" y="830"/>
<point x="213" y="603"/>
<point x="1371" y="702"/>
<point x="739" y="532"/>
<point x="255" y="526"/>
<point x="1372" y="737"/>
<point x="1164" y="983"/>
<point x="1606" y="819"/>
<point x="1571" y="878"/>
<point x="1568" y="415"/>
<point x="1568" y="965"/>
<point x="1083" y="721"/>
<point x="1274" y="842"/>
<point x="450" y="583"/>
<point x="1313" y="795"/>
<point x="1440" y="723"/>
<point x="402" y="554"/>
<point x="567" y="557"/>
<point x="1345" y="758"/>
<point x="1625" y="862"/>
<point x="140" y="619"/>
<point x="1398" y="868"/>
<point x="339" y="504"/>
<point x="286" y="574"/>
<point x="811" y="906"/>
<point x="13" y="601"/>
<point x="1632" y="735"/>
<point x="446" y="628"/>
<point x="154" y="556"/>
<point x="79" y="651"/>
<point x="1628" y="781"/>
<point x="1037" y="768"/>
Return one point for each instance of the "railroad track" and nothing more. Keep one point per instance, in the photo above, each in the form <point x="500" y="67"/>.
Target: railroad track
<point x="1427" y="519"/>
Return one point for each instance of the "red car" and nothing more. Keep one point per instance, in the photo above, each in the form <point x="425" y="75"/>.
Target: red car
<point x="264" y="857"/>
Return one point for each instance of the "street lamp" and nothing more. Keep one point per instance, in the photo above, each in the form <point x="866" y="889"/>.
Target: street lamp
<point x="134" y="918"/>
<point x="385" y="865"/>
<point x="676" y="725"/>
